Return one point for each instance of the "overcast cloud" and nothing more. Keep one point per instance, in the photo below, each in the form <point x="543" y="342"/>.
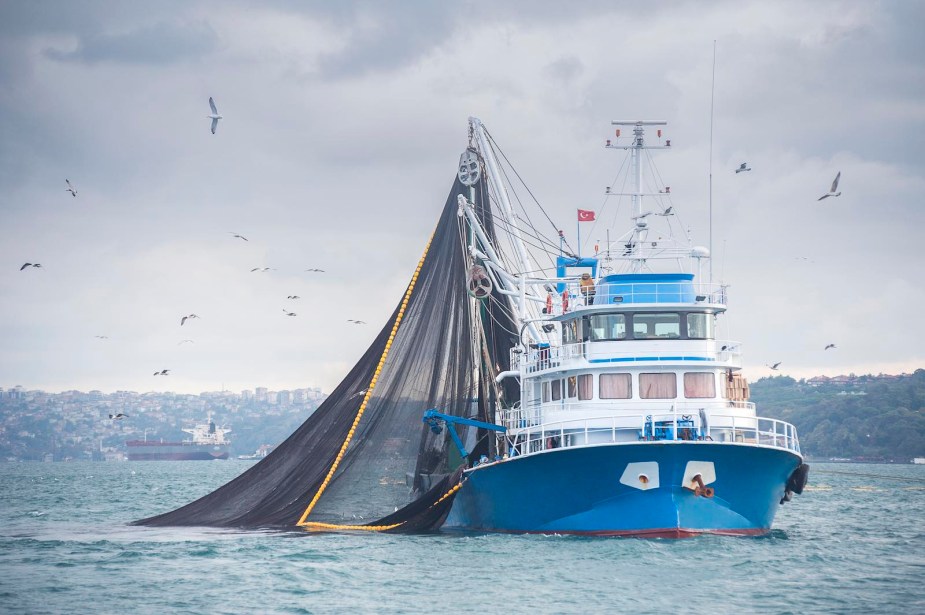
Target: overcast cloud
<point x="343" y="124"/>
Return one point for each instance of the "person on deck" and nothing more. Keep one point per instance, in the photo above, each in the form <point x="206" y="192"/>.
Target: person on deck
<point x="586" y="285"/>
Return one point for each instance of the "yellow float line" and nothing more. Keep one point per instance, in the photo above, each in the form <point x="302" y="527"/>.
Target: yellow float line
<point x="374" y="528"/>
<point x="369" y="390"/>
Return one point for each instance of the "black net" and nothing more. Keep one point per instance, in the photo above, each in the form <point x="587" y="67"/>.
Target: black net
<point x="440" y="349"/>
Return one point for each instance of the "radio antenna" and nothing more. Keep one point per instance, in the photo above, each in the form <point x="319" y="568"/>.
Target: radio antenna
<point x="712" y="90"/>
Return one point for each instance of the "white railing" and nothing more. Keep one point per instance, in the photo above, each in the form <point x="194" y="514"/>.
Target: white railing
<point x="528" y="437"/>
<point x="620" y="293"/>
<point x="534" y="412"/>
<point x="540" y="359"/>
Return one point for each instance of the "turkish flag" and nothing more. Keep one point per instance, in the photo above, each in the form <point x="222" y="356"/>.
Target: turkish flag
<point x="585" y="215"/>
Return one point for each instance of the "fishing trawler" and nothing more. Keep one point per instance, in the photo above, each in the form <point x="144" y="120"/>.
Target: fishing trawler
<point x="633" y="417"/>
<point x="592" y="396"/>
<point x="207" y="442"/>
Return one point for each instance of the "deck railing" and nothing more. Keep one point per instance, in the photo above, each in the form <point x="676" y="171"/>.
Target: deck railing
<point x="619" y="293"/>
<point x="539" y="359"/>
<point x="527" y="437"/>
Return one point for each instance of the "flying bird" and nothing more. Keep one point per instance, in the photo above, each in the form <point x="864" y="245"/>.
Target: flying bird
<point x="214" y="116"/>
<point x="39" y="265"/>
<point x="261" y="269"/>
<point x="163" y="372"/>
<point x="743" y="167"/>
<point x="238" y="236"/>
<point x="829" y="346"/>
<point x="288" y="313"/>
<point x="70" y="188"/>
<point x="185" y="341"/>
<point x="101" y="337"/>
<point x="293" y="297"/>
<point x="774" y="367"/>
<point x="315" y="270"/>
<point x="833" y="189"/>
<point x="185" y="318"/>
<point x="356" y="322"/>
<point x="118" y="417"/>
<point x="358" y="393"/>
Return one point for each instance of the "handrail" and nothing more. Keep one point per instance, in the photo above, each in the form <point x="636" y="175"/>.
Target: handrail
<point x="630" y="293"/>
<point x="674" y="425"/>
<point x="541" y="359"/>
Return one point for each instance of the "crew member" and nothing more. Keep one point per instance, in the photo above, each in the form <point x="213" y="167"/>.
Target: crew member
<point x="586" y="286"/>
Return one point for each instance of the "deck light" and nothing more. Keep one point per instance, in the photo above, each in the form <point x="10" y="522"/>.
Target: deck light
<point x="618" y="299"/>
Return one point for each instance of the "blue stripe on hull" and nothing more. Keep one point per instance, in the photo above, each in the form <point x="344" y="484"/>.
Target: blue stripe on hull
<point x="578" y="490"/>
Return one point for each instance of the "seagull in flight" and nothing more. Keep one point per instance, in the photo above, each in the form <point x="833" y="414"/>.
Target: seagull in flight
<point x="829" y="346"/>
<point x="315" y="270"/>
<point x="356" y="322"/>
<point x="214" y="116"/>
<point x="118" y="417"/>
<point x="185" y="341"/>
<point x="261" y="269"/>
<point x="70" y="188"/>
<point x="358" y="393"/>
<point x="163" y="372"/>
<point x="288" y="313"/>
<point x="293" y="297"/>
<point x="238" y="236"/>
<point x="185" y="318"/>
<point x="774" y="367"/>
<point x="833" y="189"/>
<point x="101" y="337"/>
<point x="743" y="167"/>
<point x="39" y="265"/>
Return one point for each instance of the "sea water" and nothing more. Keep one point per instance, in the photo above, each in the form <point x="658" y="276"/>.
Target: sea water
<point x="853" y="542"/>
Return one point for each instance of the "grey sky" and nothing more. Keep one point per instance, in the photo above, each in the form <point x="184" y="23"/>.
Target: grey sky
<point x="343" y="124"/>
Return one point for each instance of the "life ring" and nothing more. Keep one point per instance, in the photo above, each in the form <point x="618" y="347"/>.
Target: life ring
<point x="565" y="301"/>
<point x="549" y="303"/>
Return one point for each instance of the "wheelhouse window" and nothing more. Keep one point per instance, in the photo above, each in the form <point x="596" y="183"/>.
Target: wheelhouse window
<point x="556" y="390"/>
<point x="658" y="386"/>
<point x="572" y="386"/>
<point x="607" y="327"/>
<point x="570" y="331"/>
<point x="699" y="385"/>
<point x="700" y="326"/>
<point x="546" y="391"/>
<point x="654" y="326"/>
<point x="616" y="386"/>
<point x="585" y="386"/>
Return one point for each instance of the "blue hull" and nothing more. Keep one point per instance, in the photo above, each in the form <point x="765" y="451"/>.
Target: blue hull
<point x="594" y="490"/>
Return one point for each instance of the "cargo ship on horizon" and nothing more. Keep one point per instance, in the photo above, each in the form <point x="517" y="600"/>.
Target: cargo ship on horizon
<point x="208" y="442"/>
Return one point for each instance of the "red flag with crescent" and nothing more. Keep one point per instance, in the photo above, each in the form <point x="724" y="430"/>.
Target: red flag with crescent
<point x="585" y="215"/>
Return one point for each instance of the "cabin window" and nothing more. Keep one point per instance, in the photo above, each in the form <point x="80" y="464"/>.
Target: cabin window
<point x="556" y="390"/>
<point x="546" y="391"/>
<point x="700" y="326"/>
<point x="608" y="327"/>
<point x="658" y="386"/>
<point x="652" y="326"/>
<point x="616" y="386"/>
<point x="585" y="386"/>
<point x="570" y="331"/>
<point x="572" y="388"/>
<point x="699" y="385"/>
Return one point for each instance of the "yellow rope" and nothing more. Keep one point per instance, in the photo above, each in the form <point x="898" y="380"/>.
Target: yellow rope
<point x="369" y="390"/>
<point x="314" y="525"/>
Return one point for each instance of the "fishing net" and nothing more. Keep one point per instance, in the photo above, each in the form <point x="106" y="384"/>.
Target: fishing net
<point x="364" y="457"/>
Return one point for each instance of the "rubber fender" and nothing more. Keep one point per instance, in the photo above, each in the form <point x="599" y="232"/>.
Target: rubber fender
<point x="798" y="479"/>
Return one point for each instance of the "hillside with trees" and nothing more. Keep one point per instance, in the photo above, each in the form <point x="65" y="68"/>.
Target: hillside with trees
<point x="873" y="418"/>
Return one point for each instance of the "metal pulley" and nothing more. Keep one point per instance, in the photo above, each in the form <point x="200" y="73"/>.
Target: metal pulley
<point x="469" y="170"/>
<point x="478" y="284"/>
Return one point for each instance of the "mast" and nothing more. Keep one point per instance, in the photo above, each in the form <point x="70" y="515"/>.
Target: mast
<point x="635" y="149"/>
